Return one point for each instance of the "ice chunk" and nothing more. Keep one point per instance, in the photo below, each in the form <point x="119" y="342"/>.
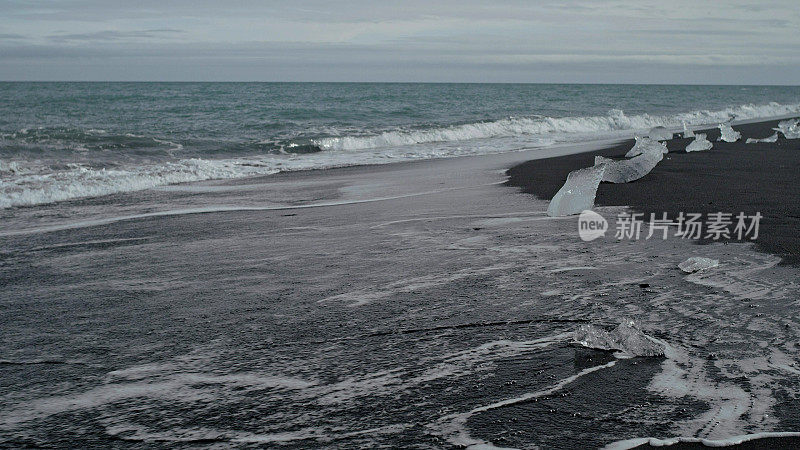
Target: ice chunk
<point x="699" y="143"/>
<point x="728" y="134"/>
<point x="787" y="124"/>
<point x="792" y="133"/>
<point x="646" y="145"/>
<point x="626" y="338"/>
<point x="697" y="263"/>
<point x="790" y="128"/>
<point x="659" y="134"/>
<point x="578" y="192"/>
<point x="11" y="167"/>
<point x="628" y="170"/>
<point x="773" y="138"/>
<point x="687" y="132"/>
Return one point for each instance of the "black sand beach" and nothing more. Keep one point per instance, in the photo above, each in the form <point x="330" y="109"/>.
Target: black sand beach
<point x="731" y="178"/>
<point x="406" y="305"/>
<point x="772" y="443"/>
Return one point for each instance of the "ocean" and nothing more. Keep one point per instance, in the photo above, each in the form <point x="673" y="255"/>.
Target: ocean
<point x="62" y="141"/>
<point x="170" y="276"/>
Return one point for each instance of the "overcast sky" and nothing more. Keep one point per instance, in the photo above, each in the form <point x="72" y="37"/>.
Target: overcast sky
<point x="626" y="41"/>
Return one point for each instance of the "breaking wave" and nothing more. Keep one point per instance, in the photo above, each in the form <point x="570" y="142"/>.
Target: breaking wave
<point x="29" y="188"/>
<point x="616" y="120"/>
<point x="39" y="167"/>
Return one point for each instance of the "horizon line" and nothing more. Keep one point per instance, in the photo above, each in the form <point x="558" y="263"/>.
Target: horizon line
<point x="402" y="82"/>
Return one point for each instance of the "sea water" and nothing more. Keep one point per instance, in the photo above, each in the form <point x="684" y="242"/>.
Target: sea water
<point x="62" y="141"/>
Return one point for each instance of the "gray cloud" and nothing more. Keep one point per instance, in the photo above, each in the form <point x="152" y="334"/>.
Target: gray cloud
<point x="11" y="36"/>
<point x="113" y="35"/>
<point x="697" y="41"/>
<point x="695" y="32"/>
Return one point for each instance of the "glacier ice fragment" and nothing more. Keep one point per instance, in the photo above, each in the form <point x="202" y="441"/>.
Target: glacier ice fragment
<point x="728" y="134"/>
<point x="792" y="133"/>
<point x="699" y="143"/>
<point x="10" y="167"/>
<point x="773" y="138"/>
<point x="697" y="263"/>
<point x="687" y="132"/>
<point x="790" y="128"/>
<point x="660" y="134"/>
<point x="626" y="338"/>
<point x="628" y="170"/>
<point x="578" y="192"/>
<point x="646" y="145"/>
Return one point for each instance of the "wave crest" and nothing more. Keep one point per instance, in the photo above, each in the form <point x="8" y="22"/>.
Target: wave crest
<point x="615" y="120"/>
<point x="32" y="181"/>
<point x="31" y="188"/>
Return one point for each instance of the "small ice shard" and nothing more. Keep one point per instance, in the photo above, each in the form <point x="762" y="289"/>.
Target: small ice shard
<point x="699" y="143"/>
<point x="790" y="128"/>
<point x="660" y="134"/>
<point x="697" y="263"/>
<point x="646" y="145"/>
<point x="773" y="138"/>
<point x="792" y="133"/>
<point x="626" y="338"/>
<point x="728" y="134"/>
<point x="628" y="170"/>
<point x="578" y="192"/>
<point x="787" y="124"/>
<point x="687" y="132"/>
<point x="10" y="167"/>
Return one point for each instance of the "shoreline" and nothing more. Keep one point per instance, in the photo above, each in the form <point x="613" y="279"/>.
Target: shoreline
<point x="31" y="182"/>
<point x="545" y="152"/>
<point x="318" y="296"/>
<point x="516" y="164"/>
<point x="773" y="440"/>
<point x="731" y="178"/>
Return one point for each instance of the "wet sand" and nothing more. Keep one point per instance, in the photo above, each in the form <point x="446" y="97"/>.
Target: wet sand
<point x="410" y="305"/>
<point x="771" y="442"/>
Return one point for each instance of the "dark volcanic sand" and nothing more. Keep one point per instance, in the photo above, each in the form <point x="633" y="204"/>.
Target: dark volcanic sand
<point x="772" y="443"/>
<point x="731" y="178"/>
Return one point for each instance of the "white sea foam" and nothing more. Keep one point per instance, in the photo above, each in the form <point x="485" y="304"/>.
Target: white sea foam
<point x="453" y="427"/>
<point x="616" y="120"/>
<point x="180" y="387"/>
<point x="33" y="182"/>
<point x="32" y="188"/>
<point x="374" y="293"/>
